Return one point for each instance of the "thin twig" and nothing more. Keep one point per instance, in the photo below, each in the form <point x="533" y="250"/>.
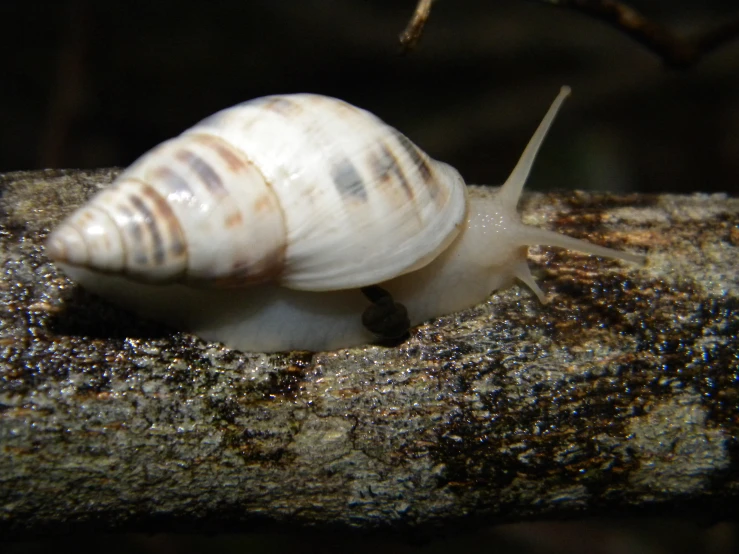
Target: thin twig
<point x="413" y="31"/>
<point x="675" y="51"/>
<point x="717" y="37"/>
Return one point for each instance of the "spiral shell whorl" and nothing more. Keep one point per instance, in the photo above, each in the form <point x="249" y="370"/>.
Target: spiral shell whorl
<point x="182" y="212"/>
<point x="303" y="190"/>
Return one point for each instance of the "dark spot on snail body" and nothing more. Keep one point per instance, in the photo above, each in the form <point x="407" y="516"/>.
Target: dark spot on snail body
<point x="418" y="159"/>
<point x="384" y="317"/>
<point x="151" y="225"/>
<point x="205" y="172"/>
<point x="347" y="180"/>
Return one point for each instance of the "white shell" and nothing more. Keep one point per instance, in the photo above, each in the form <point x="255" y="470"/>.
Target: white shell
<point x="303" y="190"/>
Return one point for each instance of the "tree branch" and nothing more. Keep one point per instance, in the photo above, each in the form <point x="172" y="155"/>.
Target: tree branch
<point x="676" y="52"/>
<point x="619" y="395"/>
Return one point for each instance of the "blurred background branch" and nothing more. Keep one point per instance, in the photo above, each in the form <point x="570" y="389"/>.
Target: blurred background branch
<point x="675" y="51"/>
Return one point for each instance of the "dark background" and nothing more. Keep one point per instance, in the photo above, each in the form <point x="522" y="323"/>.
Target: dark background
<point x="87" y="83"/>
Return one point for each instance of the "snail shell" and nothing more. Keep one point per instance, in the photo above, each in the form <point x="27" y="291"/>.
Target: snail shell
<point x="278" y="209"/>
<point x="303" y="190"/>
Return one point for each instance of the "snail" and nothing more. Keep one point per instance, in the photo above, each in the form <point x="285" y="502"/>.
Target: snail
<point x="301" y="222"/>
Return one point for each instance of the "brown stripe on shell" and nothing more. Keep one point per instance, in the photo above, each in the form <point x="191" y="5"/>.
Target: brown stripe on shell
<point x="141" y="258"/>
<point x="418" y="159"/>
<point x="224" y="150"/>
<point x="347" y="180"/>
<point x="173" y="180"/>
<point x="164" y="213"/>
<point x="135" y="227"/>
<point x="106" y="237"/>
<point x="263" y="203"/>
<point x="151" y="224"/>
<point x="207" y="174"/>
<point x="383" y="164"/>
<point x="277" y="104"/>
<point x="234" y="220"/>
<point x="242" y="272"/>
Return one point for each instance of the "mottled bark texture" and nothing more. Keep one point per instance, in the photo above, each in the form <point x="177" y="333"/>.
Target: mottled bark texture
<point x="621" y="393"/>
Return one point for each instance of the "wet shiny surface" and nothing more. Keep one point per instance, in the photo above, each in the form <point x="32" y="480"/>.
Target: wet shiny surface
<point x="623" y="390"/>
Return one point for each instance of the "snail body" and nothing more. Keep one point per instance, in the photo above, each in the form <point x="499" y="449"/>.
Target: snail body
<point x="258" y="226"/>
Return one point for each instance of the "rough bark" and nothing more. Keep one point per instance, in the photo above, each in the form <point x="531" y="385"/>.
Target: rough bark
<point x="620" y="394"/>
